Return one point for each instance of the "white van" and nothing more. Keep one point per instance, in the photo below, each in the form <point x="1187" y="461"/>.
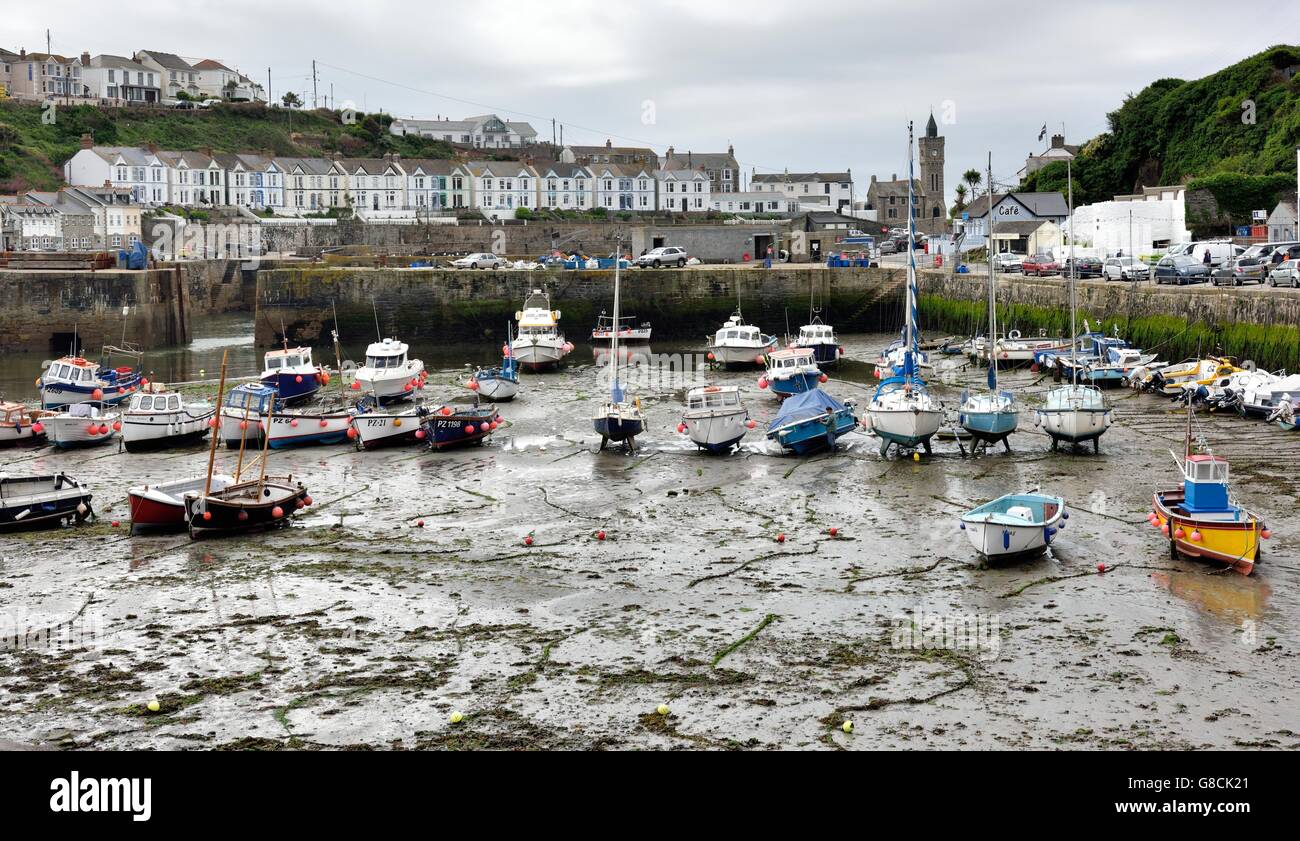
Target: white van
<point x="1221" y="251"/>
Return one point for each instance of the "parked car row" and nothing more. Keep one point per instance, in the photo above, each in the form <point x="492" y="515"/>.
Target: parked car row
<point x="1257" y="264"/>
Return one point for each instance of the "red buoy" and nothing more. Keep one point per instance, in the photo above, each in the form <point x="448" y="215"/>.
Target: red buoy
<point x="780" y="538"/>
<point x="352" y="432"/>
<point x="293" y="422"/>
<point x="750" y="424"/>
<point x="277" y="512"/>
<point x="832" y="531"/>
<point x="823" y="378"/>
<point x="307" y="500"/>
<point x="1101" y="567"/>
<point x="419" y="524"/>
<point x="298" y="378"/>
<point x="356" y="386"/>
<point x="472" y="385"/>
<point x="528" y="541"/>
<point x="117" y="426"/>
<point x="419" y="434"/>
<point x="600" y="535"/>
<point x="469" y="429"/>
<point x="207" y="515"/>
<point x="97" y="394"/>
<point x="445" y="411"/>
<point x="242" y="515"/>
<point x="324" y="423"/>
<point x="116" y="524"/>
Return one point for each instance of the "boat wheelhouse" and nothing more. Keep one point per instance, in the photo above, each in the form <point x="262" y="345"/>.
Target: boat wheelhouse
<point x="163" y="419"/>
<point x="738" y="343"/>
<point x="820" y="339"/>
<point x="791" y="371"/>
<point x="291" y="372"/>
<point x="243" y="412"/>
<point x="538" y="344"/>
<point x="1201" y="520"/>
<point x="20" y="424"/>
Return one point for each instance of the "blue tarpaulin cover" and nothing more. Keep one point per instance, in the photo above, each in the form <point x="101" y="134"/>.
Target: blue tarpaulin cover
<point x="804" y="406"/>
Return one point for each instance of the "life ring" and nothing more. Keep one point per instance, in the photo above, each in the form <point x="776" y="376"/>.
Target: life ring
<point x="1014" y="334"/>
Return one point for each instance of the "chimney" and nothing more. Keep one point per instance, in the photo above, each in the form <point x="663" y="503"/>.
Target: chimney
<point x="22" y="52"/>
<point x="85" y="59"/>
<point x="397" y="156"/>
<point x="87" y="141"/>
<point x="689" y="163"/>
<point x="152" y="147"/>
<point x="1058" y="141"/>
<point x="207" y="150"/>
<point x="608" y="143"/>
<point x="669" y="155"/>
<point x="894" y="177"/>
<point x="731" y="150"/>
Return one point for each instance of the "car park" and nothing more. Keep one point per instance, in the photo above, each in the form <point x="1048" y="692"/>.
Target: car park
<point x="1181" y="269"/>
<point x="1286" y="273"/>
<point x="1125" y="268"/>
<point x="482" y="260"/>
<point x="668" y="255"/>
<point x="1039" y="265"/>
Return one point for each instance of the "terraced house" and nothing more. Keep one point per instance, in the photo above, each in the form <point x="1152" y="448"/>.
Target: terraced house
<point x="684" y="190"/>
<point x="624" y="187"/>
<point x="197" y="178"/>
<point x="142" y="172"/>
<point x="312" y="185"/>
<point x="502" y="187"/>
<point x="372" y="184"/>
<point x="722" y="167"/>
<point x="41" y="76"/>
<point x="566" y="186"/>
<point x="252" y="181"/>
<point x="437" y="185"/>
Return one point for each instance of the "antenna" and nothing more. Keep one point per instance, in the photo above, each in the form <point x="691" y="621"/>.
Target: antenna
<point x="379" y="337"/>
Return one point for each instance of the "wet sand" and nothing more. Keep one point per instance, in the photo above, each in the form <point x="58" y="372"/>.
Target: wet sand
<point x="357" y="628"/>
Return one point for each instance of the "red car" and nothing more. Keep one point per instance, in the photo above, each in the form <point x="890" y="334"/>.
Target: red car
<point x="1039" y="265"/>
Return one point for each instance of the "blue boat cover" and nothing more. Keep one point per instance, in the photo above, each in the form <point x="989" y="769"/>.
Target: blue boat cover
<point x="801" y="407"/>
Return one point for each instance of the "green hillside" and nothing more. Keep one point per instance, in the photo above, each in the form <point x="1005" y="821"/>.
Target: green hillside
<point x="33" y="151"/>
<point x="1178" y="132"/>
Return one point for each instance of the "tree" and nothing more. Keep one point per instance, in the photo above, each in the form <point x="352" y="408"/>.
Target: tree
<point x="291" y="100"/>
<point x="959" y="199"/>
<point x="229" y="88"/>
<point x="972" y="177"/>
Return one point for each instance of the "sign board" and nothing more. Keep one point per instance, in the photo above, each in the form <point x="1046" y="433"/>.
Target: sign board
<point x="1259" y="215"/>
<point x="1243" y="230"/>
<point x="965" y="216"/>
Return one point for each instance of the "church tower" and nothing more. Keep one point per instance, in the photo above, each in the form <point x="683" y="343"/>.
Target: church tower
<point x="931" y="147"/>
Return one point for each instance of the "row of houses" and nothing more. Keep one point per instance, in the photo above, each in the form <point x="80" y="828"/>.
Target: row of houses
<point x="393" y="186"/>
<point x="146" y="77"/>
<point x="70" y="219"/>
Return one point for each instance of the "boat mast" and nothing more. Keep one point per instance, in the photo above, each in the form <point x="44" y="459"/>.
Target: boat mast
<point x="1069" y="187"/>
<point x="993" y="295"/>
<point x="338" y="354"/>
<point x="266" y="446"/>
<point x="613" y="345"/>
<point x="912" y="344"/>
<point x="216" y="429"/>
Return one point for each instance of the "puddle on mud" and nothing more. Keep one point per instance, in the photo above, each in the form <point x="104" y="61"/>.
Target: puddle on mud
<point x="371" y="632"/>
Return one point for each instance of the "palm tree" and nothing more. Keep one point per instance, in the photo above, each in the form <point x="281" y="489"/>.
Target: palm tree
<point x="973" y="178"/>
<point x="959" y="200"/>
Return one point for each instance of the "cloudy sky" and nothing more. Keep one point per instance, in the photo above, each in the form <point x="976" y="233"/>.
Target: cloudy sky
<point x="792" y="85"/>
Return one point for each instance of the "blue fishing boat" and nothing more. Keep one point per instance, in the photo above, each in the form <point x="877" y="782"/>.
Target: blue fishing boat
<point x="499" y="384"/>
<point x="1015" y="525"/>
<point x="791" y="371"/>
<point x="458" y="426"/>
<point x="74" y="379"/>
<point x="292" y="374"/>
<point x="811" y="421"/>
<point x="243" y="412"/>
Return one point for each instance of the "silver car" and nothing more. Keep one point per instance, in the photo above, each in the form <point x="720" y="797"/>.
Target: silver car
<point x="1124" y="268"/>
<point x="479" y="261"/>
<point x="1286" y="273"/>
<point x="1008" y="261"/>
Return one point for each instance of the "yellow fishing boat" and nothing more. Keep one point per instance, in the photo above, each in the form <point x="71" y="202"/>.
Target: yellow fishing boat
<point x="1172" y="379"/>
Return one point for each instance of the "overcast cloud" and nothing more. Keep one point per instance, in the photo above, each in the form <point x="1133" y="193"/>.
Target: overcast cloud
<point x="798" y="85"/>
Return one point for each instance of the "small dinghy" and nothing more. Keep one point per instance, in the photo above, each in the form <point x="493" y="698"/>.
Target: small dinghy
<point x="82" y="425"/>
<point x="457" y="426"/>
<point x="811" y="422"/>
<point x="715" y="419"/>
<point x="499" y="384"/>
<point x="162" y="505"/>
<point x="373" y="427"/>
<point x="1015" y="525"/>
<point x="31" y="502"/>
<point x="791" y="371"/>
<point x="155" y="420"/>
<point x="21" y="425"/>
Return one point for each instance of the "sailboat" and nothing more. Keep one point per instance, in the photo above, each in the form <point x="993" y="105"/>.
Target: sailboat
<point x="617" y="419"/>
<point x="990" y="416"/>
<point x="902" y="412"/>
<point x="1074" y="413"/>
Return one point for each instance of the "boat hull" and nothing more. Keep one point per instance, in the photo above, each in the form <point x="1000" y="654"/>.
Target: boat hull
<point x="225" y="511"/>
<point x="393" y="386"/>
<point x="498" y="389"/>
<point x="1234" y="542"/>
<point x="232" y="436"/>
<point x="158" y="431"/>
<point x="19" y="435"/>
<point x="315" y="428"/>
<point x="162" y="506"/>
<point x="444" y="432"/>
<point x="731" y="356"/>
<point x="906" y="427"/>
<point x="616" y="428"/>
<point x="43" y="508"/>
<point x="59" y="395"/>
<point x="717" y="433"/>
<point x="824" y="354"/>
<point x="796" y="384"/>
<point x="815" y="434"/>
<point x="538" y="355"/>
<point x="376" y="430"/>
<point x="73" y="433"/>
<point x="1073" y="426"/>
<point x="989" y="427"/>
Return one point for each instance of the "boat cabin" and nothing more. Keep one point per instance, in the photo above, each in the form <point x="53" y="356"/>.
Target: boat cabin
<point x="389" y="353"/>
<point x="12" y="414"/>
<point x="287" y="359"/>
<point x="713" y="397"/>
<point x="1205" y="485"/>
<point x="155" y="403"/>
<point x="731" y="332"/>
<point x="816" y="334"/>
<point x="252" y="398"/>
<point x="790" y="360"/>
<point x="75" y="370"/>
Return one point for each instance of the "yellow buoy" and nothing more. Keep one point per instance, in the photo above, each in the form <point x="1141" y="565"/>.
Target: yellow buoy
<point x="457" y="717"/>
<point x="847" y="726"/>
<point x="154" y="706"/>
<point x="662" y="709"/>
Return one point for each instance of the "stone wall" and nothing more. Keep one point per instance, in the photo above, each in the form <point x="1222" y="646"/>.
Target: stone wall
<point x="44" y="308"/>
<point x="436" y="305"/>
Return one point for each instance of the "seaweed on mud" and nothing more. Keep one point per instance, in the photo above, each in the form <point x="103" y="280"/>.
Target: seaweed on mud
<point x="498" y="728"/>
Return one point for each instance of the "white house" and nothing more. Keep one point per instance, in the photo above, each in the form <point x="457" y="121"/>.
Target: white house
<point x="373" y="183"/>
<point x="120" y="81"/>
<point x="684" y="190"/>
<point x="502" y="187"/>
<point x="311" y="185"/>
<point x="176" y="75"/>
<point x="624" y="187"/>
<point x="32" y="226"/>
<point x="252" y="181"/>
<point x="756" y="201"/>
<point x="197" y="179"/>
<point x="1135" y="227"/>
<point x="218" y="81"/>
<point x="566" y="186"/>
<point x="486" y="131"/>
<point x="436" y="185"/>
<point x="1013" y="207"/>
<point x="142" y="172"/>
<point x="833" y="190"/>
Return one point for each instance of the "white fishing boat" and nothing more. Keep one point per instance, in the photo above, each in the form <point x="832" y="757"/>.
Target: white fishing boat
<point x="157" y="419"/>
<point x="539" y="343"/>
<point x="1074" y="413"/>
<point x="21" y="424"/>
<point x="902" y="411"/>
<point x="738" y="343"/>
<point x="293" y="428"/>
<point x="390" y="375"/>
<point x="1015" y="525"/>
<point x="715" y="418"/>
<point x="82" y="425"/>
<point x="627" y="329"/>
<point x="1014" y="349"/>
<point x="1263" y="398"/>
<point x="74" y="379"/>
<point x="375" y="428"/>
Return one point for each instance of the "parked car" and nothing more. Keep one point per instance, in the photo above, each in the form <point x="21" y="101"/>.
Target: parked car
<point x="668" y="255"/>
<point x="481" y="260"/>
<point x="889" y="246"/>
<point x="1008" y="261"/>
<point x="1125" y="268"/>
<point x="1181" y="269"/>
<point x="1221" y="251"/>
<point x="1039" y="265"/>
<point x="1087" y="267"/>
<point x="1255" y="263"/>
<point x="1286" y="273"/>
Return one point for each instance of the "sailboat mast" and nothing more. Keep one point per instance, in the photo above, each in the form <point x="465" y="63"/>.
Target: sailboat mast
<point x="618" y="259"/>
<point x="216" y="429"/>
<point x="913" y="342"/>
<point x="993" y="297"/>
<point x="1069" y="188"/>
<point x="338" y="353"/>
